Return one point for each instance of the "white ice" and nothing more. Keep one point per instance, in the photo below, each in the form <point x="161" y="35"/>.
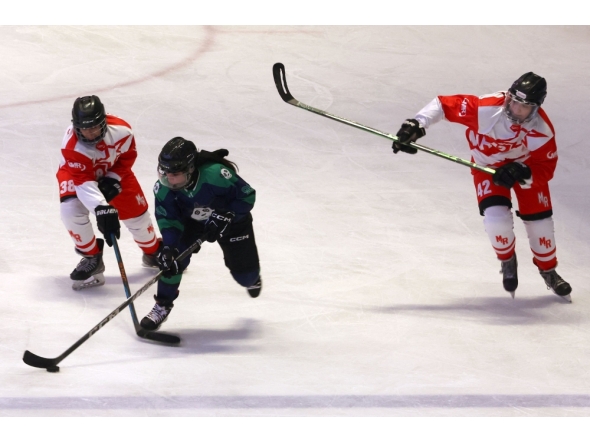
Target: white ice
<point x="381" y="294"/>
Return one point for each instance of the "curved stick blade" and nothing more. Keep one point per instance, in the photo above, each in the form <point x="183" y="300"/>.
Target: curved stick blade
<point x="37" y="361"/>
<point x="164" y="338"/>
<point x="278" y="72"/>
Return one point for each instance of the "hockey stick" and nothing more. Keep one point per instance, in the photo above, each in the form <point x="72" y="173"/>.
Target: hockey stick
<point x="278" y="72"/>
<point x="153" y="335"/>
<point x="50" y="364"/>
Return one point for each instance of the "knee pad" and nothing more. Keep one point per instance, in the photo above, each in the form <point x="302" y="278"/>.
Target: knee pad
<point x="143" y="232"/>
<point x="74" y="212"/>
<point x="499" y="225"/>
<point x="75" y="217"/>
<point x="138" y="223"/>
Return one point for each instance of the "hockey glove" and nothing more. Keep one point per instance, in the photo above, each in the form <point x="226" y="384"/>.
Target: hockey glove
<point x="107" y="220"/>
<point x="410" y="131"/>
<point x="217" y="224"/>
<point x="507" y="175"/>
<point x="109" y="187"/>
<point x="167" y="261"/>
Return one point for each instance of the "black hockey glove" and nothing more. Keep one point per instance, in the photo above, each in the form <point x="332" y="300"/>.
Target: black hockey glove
<point x="109" y="187"/>
<point x="107" y="220"/>
<point x="167" y="261"/>
<point x="507" y="175"/>
<point x="217" y="224"/>
<point x="410" y="131"/>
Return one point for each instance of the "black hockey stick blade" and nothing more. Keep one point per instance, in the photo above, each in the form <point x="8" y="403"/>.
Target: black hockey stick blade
<point x="164" y="338"/>
<point x="37" y="361"/>
<point x="51" y="364"/>
<point x="278" y="72"/>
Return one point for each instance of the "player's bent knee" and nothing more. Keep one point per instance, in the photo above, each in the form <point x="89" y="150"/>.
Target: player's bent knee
<point x="73" y="210"/>
<point x="498" y="216"/>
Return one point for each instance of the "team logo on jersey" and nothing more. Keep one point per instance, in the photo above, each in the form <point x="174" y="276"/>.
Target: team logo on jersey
<point x="552" y="155"/>
<point x="225" y="173"/>
<point x="247" y="189"/>
<point x="463" y="111"/>
<point x="157" y="187"/>
<point x="201" y="213"/>
<point x="77" y="165"/>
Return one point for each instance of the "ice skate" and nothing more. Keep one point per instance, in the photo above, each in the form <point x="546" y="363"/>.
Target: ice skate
<point x="556" y="284"/>
<point x="254" y="290"/>
<point x="510" y="275"/>
<point x="149" y="261"/>
<point x="89" y="271"/>
<point x="156" y="317"/>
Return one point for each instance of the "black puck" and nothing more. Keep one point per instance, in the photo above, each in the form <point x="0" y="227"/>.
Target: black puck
<point x="54" y="369"/>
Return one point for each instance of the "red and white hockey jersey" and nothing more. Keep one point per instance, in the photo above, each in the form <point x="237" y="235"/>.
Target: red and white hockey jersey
<point x="82" y="165"/>
<point x="493" y="139"/>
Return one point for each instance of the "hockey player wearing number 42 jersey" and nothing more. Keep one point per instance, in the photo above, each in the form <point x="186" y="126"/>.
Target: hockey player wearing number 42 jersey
<point x="199" y="193"/>
<point x="95" y="176"/>
<point x="509" y="131"/>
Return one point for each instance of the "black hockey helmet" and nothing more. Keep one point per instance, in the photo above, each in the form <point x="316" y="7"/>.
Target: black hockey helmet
<point x="530" y="90"/>
<point x="88" y="112"/>
<point x="177" y="156"/>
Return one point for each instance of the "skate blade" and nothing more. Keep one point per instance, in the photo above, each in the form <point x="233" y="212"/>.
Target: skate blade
<point x="567" y="297"/>
<point x="92" y="281"/>
<point x="512" y="294"/>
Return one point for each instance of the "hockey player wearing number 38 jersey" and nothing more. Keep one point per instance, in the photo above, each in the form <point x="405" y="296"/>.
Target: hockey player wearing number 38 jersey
<point x="510" y="132"/>
<point x="200" y="194"/>
<point x="95" y="176"/>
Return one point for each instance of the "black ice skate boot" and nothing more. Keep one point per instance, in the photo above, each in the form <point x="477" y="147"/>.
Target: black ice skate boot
<point x="255" y="289"/>
<point x="510" y="275"/>
<point x="157" y="316"/>
<point x="89" y="271"/>
<point x="149" y="260"/>
<point x="556" y="284"/>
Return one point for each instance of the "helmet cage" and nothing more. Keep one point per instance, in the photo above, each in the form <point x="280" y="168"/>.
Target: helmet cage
<point x="103" y="131"/>
<point x="515" y="97"/>
<point x="165" y="175"/>
<point x="170" y="169"/>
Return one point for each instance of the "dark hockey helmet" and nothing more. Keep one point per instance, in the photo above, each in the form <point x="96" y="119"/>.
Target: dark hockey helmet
<point x="88" y="112"/>
<point x="530" y="90"/>
<point x="176" y="163"/>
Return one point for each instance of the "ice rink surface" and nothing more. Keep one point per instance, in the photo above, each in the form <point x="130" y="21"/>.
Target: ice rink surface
<point x="382" y="296"/>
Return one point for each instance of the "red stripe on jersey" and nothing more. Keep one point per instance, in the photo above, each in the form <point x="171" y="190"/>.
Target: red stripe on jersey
<point x="72" y="141"/>
<point x="114" y="120"/>
<point x="461" y="109"/>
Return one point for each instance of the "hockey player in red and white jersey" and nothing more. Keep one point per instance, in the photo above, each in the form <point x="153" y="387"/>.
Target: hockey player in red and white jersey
<point x="95" y="176"/>
<point x="509" y="131"/>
